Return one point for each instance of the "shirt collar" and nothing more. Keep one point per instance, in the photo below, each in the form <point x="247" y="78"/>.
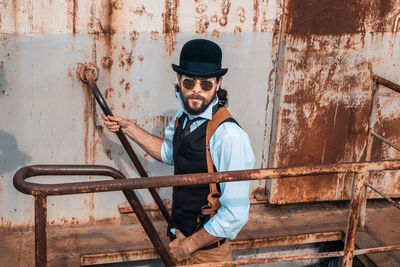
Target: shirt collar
<point x="207" y="114"/>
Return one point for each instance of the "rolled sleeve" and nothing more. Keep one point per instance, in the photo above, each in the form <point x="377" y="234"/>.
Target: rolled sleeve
<point x="231" y="150"/>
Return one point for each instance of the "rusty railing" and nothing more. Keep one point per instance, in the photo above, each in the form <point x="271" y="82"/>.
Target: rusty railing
<point x="41" y="191"/>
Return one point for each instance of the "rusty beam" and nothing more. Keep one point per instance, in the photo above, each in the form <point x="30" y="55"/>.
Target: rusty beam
<point x="115" y="257"/>
<point x="40" y="230"/>
<point x="376" y="250"/>
<point x="88" y="75"/>
<point x="273" y="259"/>
<point x="177" y="180"/>
<point x="397" y="205"/>
<point x="391" y="85"/>
<point x="287" y="240"/>
<point x="385" y="140"/>
<point x="355" y="204"/>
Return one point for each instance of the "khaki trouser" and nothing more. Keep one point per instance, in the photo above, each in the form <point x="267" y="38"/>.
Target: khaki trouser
<point x="221" y="253"/>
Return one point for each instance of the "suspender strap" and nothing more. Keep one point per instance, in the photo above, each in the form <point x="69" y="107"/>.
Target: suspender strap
<point x="220" y="116"/>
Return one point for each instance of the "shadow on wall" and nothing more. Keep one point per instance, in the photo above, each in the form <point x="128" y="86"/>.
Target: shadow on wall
<point x="11" y="157"/>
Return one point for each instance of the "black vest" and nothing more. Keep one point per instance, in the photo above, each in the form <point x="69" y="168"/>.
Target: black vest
<point x="189" y="157"/>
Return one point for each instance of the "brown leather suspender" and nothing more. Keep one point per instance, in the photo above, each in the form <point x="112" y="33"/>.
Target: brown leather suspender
<point x="220" y="116"/>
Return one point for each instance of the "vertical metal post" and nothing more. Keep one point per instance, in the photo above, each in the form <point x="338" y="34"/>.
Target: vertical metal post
<point x="356" y="197"/>
<point x="363" y="209"/>
<point x="40" y="230"/>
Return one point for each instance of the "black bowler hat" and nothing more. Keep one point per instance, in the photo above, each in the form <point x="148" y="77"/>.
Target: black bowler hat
<point x="200" y="58"/>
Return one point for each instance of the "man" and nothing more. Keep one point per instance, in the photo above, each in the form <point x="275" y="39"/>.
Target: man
<point x="195" y="237"/>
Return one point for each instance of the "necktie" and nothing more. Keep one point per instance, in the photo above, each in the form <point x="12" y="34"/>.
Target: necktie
<point x="186" y="130"/>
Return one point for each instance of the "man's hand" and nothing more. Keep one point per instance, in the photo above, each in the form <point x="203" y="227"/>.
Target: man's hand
<point x="113" y="123"/>
<point x="178" y="249"/>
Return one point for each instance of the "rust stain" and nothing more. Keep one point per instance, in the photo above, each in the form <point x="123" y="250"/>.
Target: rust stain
<point x="225" y="6"/>
<point x="108" y="93"/>
<point x="154" y="35"/>
<point x="201" y="8"/>
<point x="170" y="25"/>
<point x="259" y="194"/>
<point x="106" y="62"/>
<point x="140" y="58"/>
<point x="240" y="12"/>
<point x="202" y="24"/>
<point x="141" y="10"/>
<point x="125" y="58"/>
<point x="237" y="30"/>
<point x="108" y="153"/>
<point x="214" y="18"/>
<point x="127" y="87"/>
<point x="215" y="33"/>
<point x="74" y="11"/>
<point x="322" y="18"/>
<point x="256" y="13"/>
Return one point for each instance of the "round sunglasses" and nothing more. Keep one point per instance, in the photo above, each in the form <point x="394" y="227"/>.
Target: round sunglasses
<point x="205" y="84"/>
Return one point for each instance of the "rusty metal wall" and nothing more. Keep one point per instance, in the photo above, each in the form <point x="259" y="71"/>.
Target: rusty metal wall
<point x="330" y="53"/>
<point x="48" y="116"/>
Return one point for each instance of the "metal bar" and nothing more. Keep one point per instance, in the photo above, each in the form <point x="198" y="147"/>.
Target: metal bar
<point x="40" y="230"/>
<point x="363" y="208"/>
<point x="178" y="180"/>
<point x="391" y="85"/>
<point x="125" y="143"/>
<point x="40" y="219"/>
<point x="397" y="205"/>
<point x="385" y="140"/>
<point x="376" y="250"/>
<point x="358" y="185"/>
<point x="135" y="255"/>
<point x="273" y="259"/>
<point x="286" y="240"/>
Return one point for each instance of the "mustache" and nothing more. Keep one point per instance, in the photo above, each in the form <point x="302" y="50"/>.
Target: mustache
<point x="196" y="97"/>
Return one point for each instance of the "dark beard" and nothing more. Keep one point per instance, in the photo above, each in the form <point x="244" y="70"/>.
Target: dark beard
<point x="204" y="105"/>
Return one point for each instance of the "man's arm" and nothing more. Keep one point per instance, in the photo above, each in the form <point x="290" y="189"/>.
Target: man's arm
<point x="150" y="143"/>
<point x="181" y="248"/>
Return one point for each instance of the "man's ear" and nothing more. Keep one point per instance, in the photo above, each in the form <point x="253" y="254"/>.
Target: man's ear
<point x="219" y="83"/>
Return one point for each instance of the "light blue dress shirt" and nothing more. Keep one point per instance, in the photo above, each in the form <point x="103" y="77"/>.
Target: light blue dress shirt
<point x="230" y="151"/>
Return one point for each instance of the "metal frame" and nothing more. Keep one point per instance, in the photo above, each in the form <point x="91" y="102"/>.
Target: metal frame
<point x="41" y="191"/>
<point x="377" y="80"/>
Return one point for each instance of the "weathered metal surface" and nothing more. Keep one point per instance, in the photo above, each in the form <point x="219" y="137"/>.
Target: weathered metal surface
<point x="40" y="230"/>
<point x="49" y="115"/>
<point x="236" y="245"/>
<point x="394" y="203"/>
<point x="331" y="55"/>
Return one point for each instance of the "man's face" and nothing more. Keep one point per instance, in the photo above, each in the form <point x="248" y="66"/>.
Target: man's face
<point x="197" y="93"/>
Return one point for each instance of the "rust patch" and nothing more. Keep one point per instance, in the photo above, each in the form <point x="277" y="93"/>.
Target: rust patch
<point x="237" y="30"/>
<point x="106" y="62"/>
<point x="125" y="58"/>
<point x="202" y="24"/>
<point x="154" y="35"/>
<point x="127" y="87"/>
<point x="74" y="10"/>
<point x="140" y="58"/>
<point x="108" y="93"/>
<point x="240" y="12"/>
<point x="214" y="18"/>
<point x="141" y="10"/>
<point x="321" y="17"/>
<point x="170" y="25"/>
<point x="215" y="33"/>
<point x="201" y="8"/>
<point x="256" y="13"/>
<point x="225" y="7"/>
<point x="108" y="153"/>
<point x="259" y="194"/>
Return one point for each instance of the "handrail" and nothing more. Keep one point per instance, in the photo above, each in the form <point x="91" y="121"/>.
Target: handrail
<point x="41" y="191"/>
<point x="183" y="179"/>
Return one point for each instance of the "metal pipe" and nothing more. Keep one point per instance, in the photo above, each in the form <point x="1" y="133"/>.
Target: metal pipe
<point x="350" y="240"/>
<point x="40" y="230"/>
<point x="376" y="250"/>
<point x="397" y="205"/>
<point x="385" y="140"/>
<point x="41" y="211"/>
<point x="89" y="76"/>
<point x="273" y="259"/>
<point x="391" y="85"/>
<point x="177" y="180"/>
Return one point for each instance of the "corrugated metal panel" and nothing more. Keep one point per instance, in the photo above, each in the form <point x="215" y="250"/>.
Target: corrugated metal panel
<point x="49" y="117"/>
<point x="331" y="53"/>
